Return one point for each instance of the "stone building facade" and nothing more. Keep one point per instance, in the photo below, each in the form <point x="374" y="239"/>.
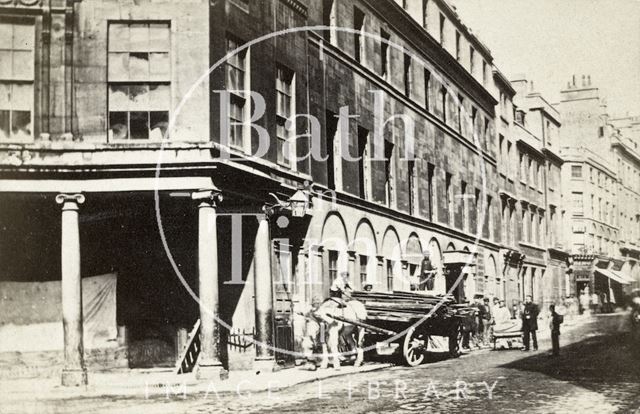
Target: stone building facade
<point x="625" y="141"/>
<point x="137" y="120"/>
<point x="601" y="207"/>
<point x="538" y="125"/>
<point x="155" y="145"/>
<point x="531" y="204"/>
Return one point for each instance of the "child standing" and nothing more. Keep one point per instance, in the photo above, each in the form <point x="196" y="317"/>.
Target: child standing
<point x="554" y="324"/>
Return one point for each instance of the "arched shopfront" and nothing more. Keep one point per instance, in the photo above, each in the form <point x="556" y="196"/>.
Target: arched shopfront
<point x="364" y="247"/>
<point x="333" y="250"/>
<point x="435" y="254"/>
<point x="413" y="257"/>
<point x="391" y="256"/>
<point x="493" y="283"/>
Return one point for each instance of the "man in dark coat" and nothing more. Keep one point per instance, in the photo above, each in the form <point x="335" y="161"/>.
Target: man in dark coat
<point x="481" y="324"/>
<point x="529" y="323"/>
<point x="427" y="273"/>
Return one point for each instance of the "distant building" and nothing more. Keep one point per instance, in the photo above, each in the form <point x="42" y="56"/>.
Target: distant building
<point x="534" y="258"/>
<point x="625" y="144"/>
<point x="601" y="203"/>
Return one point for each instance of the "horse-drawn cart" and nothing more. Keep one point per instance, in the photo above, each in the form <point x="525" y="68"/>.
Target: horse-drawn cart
<point x="407" y="321"/>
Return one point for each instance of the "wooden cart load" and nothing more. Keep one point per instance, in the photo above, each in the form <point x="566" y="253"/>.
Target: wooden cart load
<point x="409" y="318"/>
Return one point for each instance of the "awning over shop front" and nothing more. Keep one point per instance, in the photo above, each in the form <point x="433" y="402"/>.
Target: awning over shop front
<point x="615" y="276"/>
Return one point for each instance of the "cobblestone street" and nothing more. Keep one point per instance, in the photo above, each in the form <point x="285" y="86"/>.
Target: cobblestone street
<point x="597" y="371"/>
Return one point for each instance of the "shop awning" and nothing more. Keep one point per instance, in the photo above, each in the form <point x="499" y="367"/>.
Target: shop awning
<point x="615" y="276"/>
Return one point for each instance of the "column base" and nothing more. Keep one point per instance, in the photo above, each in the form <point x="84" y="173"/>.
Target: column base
<point x="74" y="377"/>
<point x="265" y="365"/>
<point x="214" y="371"/>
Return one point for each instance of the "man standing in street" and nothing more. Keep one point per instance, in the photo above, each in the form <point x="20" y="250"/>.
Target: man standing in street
<point x="487" y="322"/>
<point x="530" y="323"/>
<point x="427" y="273"/>
<point x="554" y="324"/>
<point x="481" y="312"/>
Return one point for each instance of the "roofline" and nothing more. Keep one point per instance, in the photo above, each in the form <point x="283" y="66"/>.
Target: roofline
<point x="428" y="47"/>
<point x="530" y="147"/>
<point x="553" y="155"/>
<point x="498" y="75"/>
<point x="556" y="116"/>
<point x="627" y="150"/>
<point x="453" y="14"/>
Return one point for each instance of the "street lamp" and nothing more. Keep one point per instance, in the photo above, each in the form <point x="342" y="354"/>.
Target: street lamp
<point x="300" y="204"/>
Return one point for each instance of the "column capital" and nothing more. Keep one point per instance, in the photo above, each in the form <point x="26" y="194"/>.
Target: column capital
<point x="352" y="254"/>
<point x="380" y="259"/>
<point x="207" y="197"/>
<point x="70" y="201"/>
<point x="267" y="212"/>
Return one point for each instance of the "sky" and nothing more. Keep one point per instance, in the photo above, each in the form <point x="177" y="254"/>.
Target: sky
<point x="551" y="40"/>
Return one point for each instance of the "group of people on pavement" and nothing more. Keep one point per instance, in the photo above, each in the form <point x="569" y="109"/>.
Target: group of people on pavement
<point x="596" y="302"/>
<point x="478" y="331"/>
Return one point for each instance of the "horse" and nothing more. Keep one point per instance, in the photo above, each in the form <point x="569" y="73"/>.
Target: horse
<point x="321" y="325"/>
<point x="352" y="335"/>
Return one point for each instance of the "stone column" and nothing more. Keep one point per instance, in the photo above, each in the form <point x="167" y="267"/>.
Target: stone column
<point x="315" y="271"/>
<point x="263" y="284"/>
<point x="405" y="277"/>
<point x="300" y="279"/>
<point x="380" y="282"/>
<point x="209" y="365"/>
<point x="74" y="372"/>
<point x="354" y="278"/>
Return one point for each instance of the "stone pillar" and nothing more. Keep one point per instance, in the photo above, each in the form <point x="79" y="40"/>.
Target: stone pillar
<point x="209" y="365"/>
<point x="380" y="282"/>
<point x="440" y="283"/>
<point x="405" y="277"/>
<point x="354" y="278"/>
<point x="300" y="279"/>
<point x="263" y="283"/>
<point x="74" y="372"/>
<point x="315" y="271"/>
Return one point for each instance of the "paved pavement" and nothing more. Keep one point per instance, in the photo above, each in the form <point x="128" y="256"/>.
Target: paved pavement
<point x="598" y="371"/>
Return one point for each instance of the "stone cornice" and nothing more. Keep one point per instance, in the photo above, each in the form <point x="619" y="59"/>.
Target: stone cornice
<point x="530" y="148"/>
<point x="297" y="6"/>
<point x="552" y="155"/>
<point x="632" y="154"/>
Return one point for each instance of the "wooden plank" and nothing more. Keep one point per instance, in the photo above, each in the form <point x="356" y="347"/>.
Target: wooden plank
<point x="189" y="355"/>
<point x="438" y="312"/>
<point x="364" y="325"/>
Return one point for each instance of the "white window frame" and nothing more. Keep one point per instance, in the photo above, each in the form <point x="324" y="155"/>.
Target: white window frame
<point x="30" y="80"/>
<point x="290" y="132"/>
<point x="245" y="145"/>
<point x="132" y="82"/>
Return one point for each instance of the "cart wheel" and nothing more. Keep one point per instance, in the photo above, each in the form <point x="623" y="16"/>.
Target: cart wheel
<point x="413" y="347"/>
<point x="455" y="342"/>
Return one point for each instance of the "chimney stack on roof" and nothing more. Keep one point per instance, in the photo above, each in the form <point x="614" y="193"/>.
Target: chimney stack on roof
<point x="586" y="82"/>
